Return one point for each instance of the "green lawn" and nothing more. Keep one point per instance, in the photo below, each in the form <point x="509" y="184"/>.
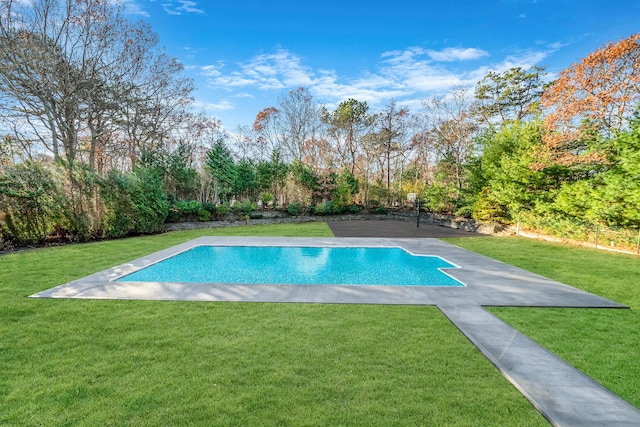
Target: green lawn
<point x="602" y="343"/>
<point x="82" y="362"/>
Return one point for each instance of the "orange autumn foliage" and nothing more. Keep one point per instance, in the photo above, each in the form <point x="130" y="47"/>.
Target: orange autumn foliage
<point x="262" y="118"/>
<point x="598" y="94"/>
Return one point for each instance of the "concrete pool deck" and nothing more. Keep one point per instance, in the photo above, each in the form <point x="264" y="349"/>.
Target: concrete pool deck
<point x="564" y="395"/>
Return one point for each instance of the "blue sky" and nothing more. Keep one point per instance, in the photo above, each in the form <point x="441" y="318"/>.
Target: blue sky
<point x="244" y="54"/>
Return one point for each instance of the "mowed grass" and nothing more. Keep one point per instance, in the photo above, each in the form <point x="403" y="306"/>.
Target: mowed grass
<point x="93" y="362"/>
<point x="603" y="343"/>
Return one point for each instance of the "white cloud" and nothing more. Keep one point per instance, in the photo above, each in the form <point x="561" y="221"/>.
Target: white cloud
<point x="277" y="70"/>
<point x="524" y="59"/>
<point x="408" y="76"/>
<point x="223" y="105"/>
<point x="132" y="7"/>
<point x="212" y="70"/>
<point x="178" y="7"/>
<point x="372" y="88"/>
<point x="413" y="70"/>
<point x="457" y="54"/>
<point x="403" y="74"/>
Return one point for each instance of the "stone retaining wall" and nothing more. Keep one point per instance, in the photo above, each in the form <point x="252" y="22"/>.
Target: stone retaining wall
<point x="279" y="217"/>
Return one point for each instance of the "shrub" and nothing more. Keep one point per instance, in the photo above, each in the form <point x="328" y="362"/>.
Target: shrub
<point x="293" y="208"/>
<point x="222" y="210"/>
<point x="188" y="207"/>
<point x="185" y="210"/>
<point x="381" y="210"/>
<point x="243" y="208"/>
<point x="134" y="203"/>
<point x="115" y="189"/>
<point x="325" y="208"/>
<point x="347" y="186"/>
<point x="353" y="209"/>
<point x="29" y="199"/>
<point x="211" y="207"/>
<point x="465" y="211"/>
<point x="173" y="214"/>
<point x="150" y="201"/>
<point x="266" y="198"/>
<point x="204" y="215"/>
<point x="77" y="216"/>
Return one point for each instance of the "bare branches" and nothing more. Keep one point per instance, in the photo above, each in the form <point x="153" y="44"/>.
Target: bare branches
<point x="76" y="70"/>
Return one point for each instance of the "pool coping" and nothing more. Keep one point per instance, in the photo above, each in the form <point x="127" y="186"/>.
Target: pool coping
<point x="562" y="394"/>
<point x="488" y="282"/>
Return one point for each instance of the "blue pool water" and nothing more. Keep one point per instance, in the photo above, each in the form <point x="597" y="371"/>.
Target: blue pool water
<point x="298" y="265"/>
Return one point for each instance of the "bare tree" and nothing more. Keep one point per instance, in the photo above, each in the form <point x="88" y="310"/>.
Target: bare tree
<point x="291" y="128"/>
<point x="449" y="128"/>
<point x="155" y="103"/>
<point x="391" y="137"/>
<point x="73" y="71"/>
<point x="300" y="121"/>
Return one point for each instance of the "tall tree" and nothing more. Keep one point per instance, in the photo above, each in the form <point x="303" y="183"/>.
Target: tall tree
<point x="511" y="183"/>
<point x="155" y="105"/>
<point x="348" y="123"/>
<point x="391" y="137"/>
<point x="512" y="95"/>
<point x="450" y="128"/>
<point x="246" y="180"/>
<point x="71" y="69"/>
<point x="272" y="175"/>
<point x="598" y="94"/>
<point x="291" y="128"/>
<point x="222" y="169"/>
<point x="613" y="196"/>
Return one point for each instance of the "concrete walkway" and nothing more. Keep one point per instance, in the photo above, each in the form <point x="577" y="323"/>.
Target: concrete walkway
<point x="564" y="395"/>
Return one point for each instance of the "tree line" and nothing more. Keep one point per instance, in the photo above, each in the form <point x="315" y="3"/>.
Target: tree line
<point x="100" y="138"/>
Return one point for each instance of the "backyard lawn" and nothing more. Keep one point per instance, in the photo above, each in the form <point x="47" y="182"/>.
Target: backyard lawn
<point x="90" y="362"/>
<point x="95" y="362"/>
<point x="602" y="343"/>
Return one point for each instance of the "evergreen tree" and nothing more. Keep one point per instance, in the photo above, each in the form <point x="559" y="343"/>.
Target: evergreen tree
<point x="222" y="168"/>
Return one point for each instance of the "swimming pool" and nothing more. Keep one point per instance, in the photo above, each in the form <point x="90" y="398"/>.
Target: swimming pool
<point x="390" y="266"/>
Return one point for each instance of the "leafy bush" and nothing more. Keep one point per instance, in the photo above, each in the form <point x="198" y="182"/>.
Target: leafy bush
<point x="347" y="187"/>
<point x="266" y="198"/>
<point x="119" y="217"/>
<point x="174" y="214"/>
<point x="134" y="203"/>
<point x="293" y="209"/>
<point x="353" y="209"/>
<point x="204" y="215"/>
<point x="244" y="207"/>
<point x="211" y="207"/>
<point x="222" y="210"/>
<point x="325" y="208"/>
<point x="180" y="210"/>
<point x="150" y="200"/>
<point x="381" y="210"/>
<point x="29" y="198"/>
<point x="465" y="211"/>
<point x="188" y="207"/>
<point x="77" y="214"/>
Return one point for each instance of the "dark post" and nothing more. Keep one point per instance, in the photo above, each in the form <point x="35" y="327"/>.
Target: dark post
<point x="418" y="221"/>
